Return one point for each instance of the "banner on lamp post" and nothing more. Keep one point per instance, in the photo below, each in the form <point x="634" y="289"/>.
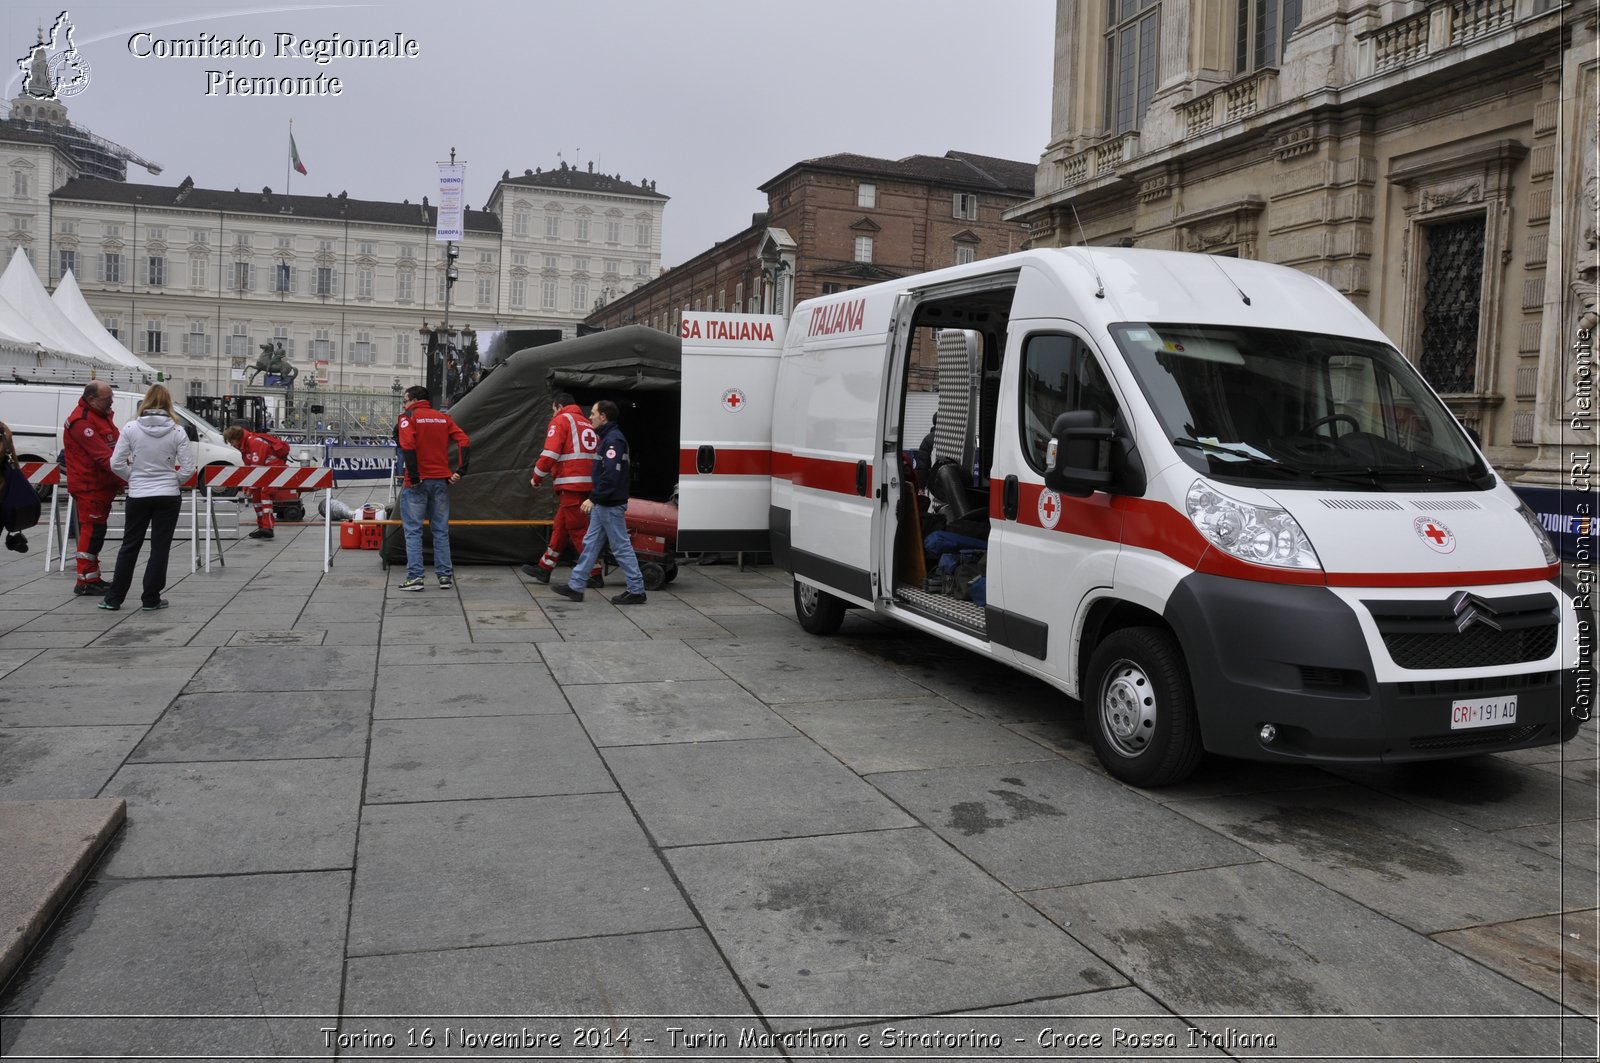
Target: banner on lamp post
<point x="452" y="179"/>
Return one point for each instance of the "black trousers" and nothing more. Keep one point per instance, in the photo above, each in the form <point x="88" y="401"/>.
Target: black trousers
<point x="157" y="514"/>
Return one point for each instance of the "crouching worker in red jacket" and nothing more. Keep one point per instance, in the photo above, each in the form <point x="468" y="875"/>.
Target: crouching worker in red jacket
<point x="259" y="448"/>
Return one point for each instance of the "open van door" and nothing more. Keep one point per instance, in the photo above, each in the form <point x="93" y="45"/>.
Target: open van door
<point x="730" y="372"/>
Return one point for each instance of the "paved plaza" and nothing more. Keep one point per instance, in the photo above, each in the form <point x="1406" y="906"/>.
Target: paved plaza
<point x="488" y="821"/>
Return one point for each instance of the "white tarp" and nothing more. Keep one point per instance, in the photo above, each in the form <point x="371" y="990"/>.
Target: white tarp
<point x="20" y="288"/>
<point x="70" y="301"/>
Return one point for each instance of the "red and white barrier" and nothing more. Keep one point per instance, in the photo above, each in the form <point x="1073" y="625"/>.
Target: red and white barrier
<point x="42" y="474"/>
<point x="47" y="474"/>
<point x="272" y="477"/>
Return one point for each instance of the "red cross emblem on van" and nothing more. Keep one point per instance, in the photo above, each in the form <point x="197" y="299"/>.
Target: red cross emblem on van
<point x="733" y="399"/>
<point x="1049" y="508"/>
<point x="1434" y="534"/>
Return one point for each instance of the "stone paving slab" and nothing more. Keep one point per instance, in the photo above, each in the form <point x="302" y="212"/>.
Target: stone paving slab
<point x="161" y="634"/>
<point x="230" y="818"/>
<point x="1419" y="868"/>
<point x="250" y="946"/>
<point x="302" y="668"/>
<point x="1573" y="842"/>
<point x="691" y="710"/>
<point x="1490" y="793"/>
<point x="37" y="763"/>
<point x="785" y="676"/>
<point x="879" y="924"/>
<point x="576" y="663"/>
<point x="708" y="792"/>
<point x="342" y="634"/>
<point x="907" y="735"/>
<point x="482" y="756"/>
<point x="290" y="638"/>
<point x="114" y="685"/>
<point x="601" y="982"/>
<point x="410" y="691"/>
<point x="232" y="727"/>
<point x="516" y="871"/>
<point x="429" y="630"/>
<point x="471" y="654"/>
<point x="1051" y="823"/>
<point x="1308" y="952"/>
<point x="20" y="641"/>
<point x="1553" y="954"/>
<point x="49" y="847"/>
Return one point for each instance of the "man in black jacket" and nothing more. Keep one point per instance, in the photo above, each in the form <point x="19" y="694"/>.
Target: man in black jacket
<point x="607" y="507"/>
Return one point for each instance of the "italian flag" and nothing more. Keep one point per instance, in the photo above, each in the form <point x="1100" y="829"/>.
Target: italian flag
<point x="294" y="156"/>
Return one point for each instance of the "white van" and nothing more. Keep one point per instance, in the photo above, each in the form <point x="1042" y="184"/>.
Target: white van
<point x="36" y="413"/>
<point x="1205" y="496"/>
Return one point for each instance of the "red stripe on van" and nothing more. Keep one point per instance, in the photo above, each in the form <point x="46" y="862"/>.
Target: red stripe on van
<point x="730" y="462"/>
<point x="822" y="474"/>
<point x="1149" y="525"/>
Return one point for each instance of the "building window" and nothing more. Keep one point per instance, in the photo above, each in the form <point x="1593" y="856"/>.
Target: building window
<point x="364" y="284"/>
<point x="609" y="267"/>
<point x="155" y="271"/>
<point x="402" y="348"/>
<point x="485" y="291"/>
<point x="19" y="184"/>
<point x="444" y="286"/>
<point x="964" y="205"/>
<point x="552" y="226"/>
<point x="1133" y="45"/>
<point x="485" y="258"/>
<point x="547" y="295"/>
<point x="280" y="336"/>
<point x="285" y="243"/>
<point x="519" y="293"/>
<point x="325" y="247"/>
<point x="325" y="280"/>
<point x="519" y="223"/>
<point x="112" y="324"/>
<point x="361" y="349"/>
<point x="200" y="237"/>
<point x="283" y="278"/>
<point x="1452" y="298"/>
<point x="866" y="195"/>
<point x="1263" y="30"/>
<point x="641" y="269"/>
<point x="244" y="277"/>
<point x="367" y="248"/>
<point x="403" y="280"/>
<point x="321" y="345"/>
<point x="239" y="343"/>
<point x="863" y="249"/>
<point x="550" y="262"/>
<point x="197" y="271"/>
<point x="406" y="251"/>
<point x="67" y="227"/>
<point x="154" y="338"/>
<point x="111" y="268"/>
<point x="613" y="232"/>
<point x="581" y="229"/>
<point x="196" y="342"/>
<point x="580" y="296"/>
<point x="68" y="261"/>
<point x="580" y="265"/>
<point x="113" y="231"/>
<point x="156" y="234"/>
<point x="964" y="254"/>
<point x="644" y="234"/>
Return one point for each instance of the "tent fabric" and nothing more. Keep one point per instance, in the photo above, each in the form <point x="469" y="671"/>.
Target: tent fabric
<point x="506" y="416"/>
<point x="69" y="299"/>
<point x="20" y="288"/>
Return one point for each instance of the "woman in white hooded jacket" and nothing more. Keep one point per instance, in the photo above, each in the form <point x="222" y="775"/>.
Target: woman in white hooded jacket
<point x="154" y="456"/>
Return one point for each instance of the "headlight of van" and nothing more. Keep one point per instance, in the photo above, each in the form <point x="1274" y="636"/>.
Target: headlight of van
<point x="1258" y="534"/>
<point x="1550" y="555"/>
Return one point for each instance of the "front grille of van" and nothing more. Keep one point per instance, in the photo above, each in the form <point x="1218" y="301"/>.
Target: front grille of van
<point x="1499" y="736"/>
<point x="1467" y="630"/>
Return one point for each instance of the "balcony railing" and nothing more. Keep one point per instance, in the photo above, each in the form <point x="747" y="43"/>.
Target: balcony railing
<point x="1102" y="159"/>
<point x="1444" y="25"/>
<point x="1233" y="102"/>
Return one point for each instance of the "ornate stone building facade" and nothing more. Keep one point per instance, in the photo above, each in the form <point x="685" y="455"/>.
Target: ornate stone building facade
<point x="1434" y="160"/>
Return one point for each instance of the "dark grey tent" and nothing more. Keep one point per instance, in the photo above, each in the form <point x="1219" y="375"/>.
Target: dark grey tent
<point x="507" y="414"/>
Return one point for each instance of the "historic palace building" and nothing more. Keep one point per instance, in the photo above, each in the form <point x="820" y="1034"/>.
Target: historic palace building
<point x="1434" y="160"/>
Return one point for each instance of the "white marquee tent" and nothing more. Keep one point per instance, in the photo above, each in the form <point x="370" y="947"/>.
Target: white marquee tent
<point x="70" y="301"/>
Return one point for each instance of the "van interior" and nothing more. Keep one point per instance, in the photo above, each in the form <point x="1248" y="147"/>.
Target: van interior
<point x="942" y="528"/>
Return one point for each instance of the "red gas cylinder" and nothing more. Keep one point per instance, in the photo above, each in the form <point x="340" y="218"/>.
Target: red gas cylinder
<point x="653" y="518"/>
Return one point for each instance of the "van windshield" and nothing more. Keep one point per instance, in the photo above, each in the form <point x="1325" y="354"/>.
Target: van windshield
<point x="1269" y="405"/>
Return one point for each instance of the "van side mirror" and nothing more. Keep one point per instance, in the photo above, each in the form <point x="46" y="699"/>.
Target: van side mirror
<point x="192" y="432"/>
<point x="1076" y="463"/>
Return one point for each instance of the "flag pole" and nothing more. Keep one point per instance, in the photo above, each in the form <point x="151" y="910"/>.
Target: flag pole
<point x="288" y="162"/>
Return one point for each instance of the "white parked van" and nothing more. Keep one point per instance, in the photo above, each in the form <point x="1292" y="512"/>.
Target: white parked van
<point x="36" y="413"/>
<point x="1205" y="496"/>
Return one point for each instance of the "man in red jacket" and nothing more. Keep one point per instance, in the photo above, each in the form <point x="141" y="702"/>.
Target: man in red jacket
<point x="568" y="459"/>
<point x="424" y="435"/>
<point x="259" y="448"/>
<point x="89" y="437"/>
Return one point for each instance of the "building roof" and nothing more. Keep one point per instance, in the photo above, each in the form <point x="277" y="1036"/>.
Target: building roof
<point x="583" y="181"/>
<point x="16" y="132"/>
<point x="958" y="169"/>
<point x="186" y="196"/>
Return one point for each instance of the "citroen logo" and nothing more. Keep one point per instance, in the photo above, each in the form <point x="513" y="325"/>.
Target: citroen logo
<point x="1469" y="609"/>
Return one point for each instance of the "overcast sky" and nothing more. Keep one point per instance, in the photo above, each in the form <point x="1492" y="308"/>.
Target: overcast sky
<point x="708" y="98"/>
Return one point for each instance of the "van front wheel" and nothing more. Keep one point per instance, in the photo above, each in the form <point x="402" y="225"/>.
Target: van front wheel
<point x="1139" y="708"/>
<point x="819" y="612"/>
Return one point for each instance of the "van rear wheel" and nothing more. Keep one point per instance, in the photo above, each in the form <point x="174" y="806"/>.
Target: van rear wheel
<point x="819" y="612"/>
<point x="1139" y="708"/>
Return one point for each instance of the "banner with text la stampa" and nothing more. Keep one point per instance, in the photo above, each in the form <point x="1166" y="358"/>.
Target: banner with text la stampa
<point x="452" y="179"/>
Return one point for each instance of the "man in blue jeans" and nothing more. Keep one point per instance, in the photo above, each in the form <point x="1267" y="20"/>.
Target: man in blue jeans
<point x="424" y="435"/>
<point x="607" y="507"/>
